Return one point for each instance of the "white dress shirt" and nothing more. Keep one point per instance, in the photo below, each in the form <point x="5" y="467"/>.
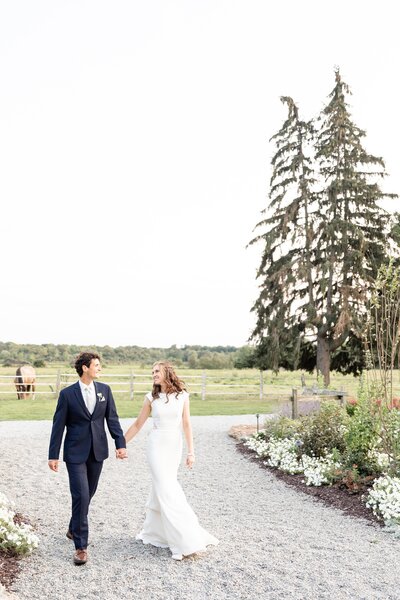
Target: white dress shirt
<point x="89" y="395"/>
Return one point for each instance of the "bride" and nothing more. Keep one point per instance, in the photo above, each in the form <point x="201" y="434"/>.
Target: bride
<point x="170" y="522"/>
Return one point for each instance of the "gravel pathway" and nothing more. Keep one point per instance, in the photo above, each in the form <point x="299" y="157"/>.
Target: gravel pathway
<point x="274" y="542"/>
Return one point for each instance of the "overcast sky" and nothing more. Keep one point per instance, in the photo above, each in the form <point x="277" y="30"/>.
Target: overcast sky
<point x="134" y="154"/>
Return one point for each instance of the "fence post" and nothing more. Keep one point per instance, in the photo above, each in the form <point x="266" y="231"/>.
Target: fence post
<point x="131" y="388"/>
<point x="295" y="404"/>
<point x="261" y="386"/>
<point x="58" y="382"/>
<point x="203" y="385"/>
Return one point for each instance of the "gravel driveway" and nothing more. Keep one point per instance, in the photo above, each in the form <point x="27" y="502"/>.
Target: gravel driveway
<point x="274" y="542"/>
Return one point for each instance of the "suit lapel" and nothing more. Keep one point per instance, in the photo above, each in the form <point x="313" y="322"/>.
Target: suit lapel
<point x="78" y="394"/>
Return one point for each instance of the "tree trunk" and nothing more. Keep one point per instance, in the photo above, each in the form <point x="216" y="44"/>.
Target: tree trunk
<point x="324" y="359"/>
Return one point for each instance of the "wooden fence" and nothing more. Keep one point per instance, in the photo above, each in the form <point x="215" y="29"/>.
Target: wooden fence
<point x="316" y="397"/>
<point x="293" y="402"/>
<point x="135" y="382"/>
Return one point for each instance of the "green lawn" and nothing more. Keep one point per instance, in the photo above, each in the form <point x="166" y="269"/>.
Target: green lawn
<point x="43" y="408"/>
<point x="244" y="383"/>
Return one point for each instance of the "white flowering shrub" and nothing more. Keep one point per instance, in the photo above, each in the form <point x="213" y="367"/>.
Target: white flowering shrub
<point x="384" y="499"/>
<point x="319" y="471"/>
<point x="280" y="453"/>
<point x="258" y="444"/>
<point x="380" y="459"/>
<point x="14" y="536"/>
<point x="283" y="454"/>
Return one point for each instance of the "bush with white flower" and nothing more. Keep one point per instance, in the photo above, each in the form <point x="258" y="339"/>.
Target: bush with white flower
<point x="285" y="455"/>
<point x="15" y="535"/>
<point x="321" y="470"/>
<point x="384" y="499"/>
<point x="280" y="453"/>
<point x="380" y="459"/>
<point x="257" y="443"/>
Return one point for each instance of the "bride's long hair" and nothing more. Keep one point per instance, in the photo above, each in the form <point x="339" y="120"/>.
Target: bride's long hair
<point x="173" y="384"/>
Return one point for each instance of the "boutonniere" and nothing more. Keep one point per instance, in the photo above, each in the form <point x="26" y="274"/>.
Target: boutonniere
<point x="100" y="397"/>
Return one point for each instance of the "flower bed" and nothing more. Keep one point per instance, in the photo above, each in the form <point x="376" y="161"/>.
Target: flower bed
<point x="17" y="539"/>
<point x="283" y="454"/>
<point x="336" y="496"/>
<point x="282" y="448"/>
<point x="16" y="536"/>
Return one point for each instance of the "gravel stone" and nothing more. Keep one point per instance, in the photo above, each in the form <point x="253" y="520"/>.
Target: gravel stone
<point x="274" y="542"/>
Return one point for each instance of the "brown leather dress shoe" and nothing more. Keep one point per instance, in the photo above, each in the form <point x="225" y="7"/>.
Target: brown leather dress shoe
<point x="80" y="556"/>
<point x="69" y="535"/>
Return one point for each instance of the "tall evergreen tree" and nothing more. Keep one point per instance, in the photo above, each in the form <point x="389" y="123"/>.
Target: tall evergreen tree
<point x="287" y="263"/>
<point x="353" y="237"/>
<point x="316" y="271"/>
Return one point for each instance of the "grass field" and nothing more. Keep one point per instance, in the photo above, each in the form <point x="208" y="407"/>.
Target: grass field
<point x="228" y="392"/>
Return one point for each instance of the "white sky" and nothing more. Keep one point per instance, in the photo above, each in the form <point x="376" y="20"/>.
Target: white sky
<point x="134" y="154"/>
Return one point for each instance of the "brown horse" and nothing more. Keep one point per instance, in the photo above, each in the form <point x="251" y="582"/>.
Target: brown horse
<point x="25" y="382"/>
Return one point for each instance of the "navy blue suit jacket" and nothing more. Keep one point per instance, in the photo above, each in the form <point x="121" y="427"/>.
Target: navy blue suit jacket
<point x="84" y="430"/>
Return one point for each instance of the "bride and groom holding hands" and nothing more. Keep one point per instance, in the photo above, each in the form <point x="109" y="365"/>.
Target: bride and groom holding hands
<point x="82" y="409"/>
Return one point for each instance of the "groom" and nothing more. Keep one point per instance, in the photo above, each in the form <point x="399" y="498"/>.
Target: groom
<point x="82" y="409"/>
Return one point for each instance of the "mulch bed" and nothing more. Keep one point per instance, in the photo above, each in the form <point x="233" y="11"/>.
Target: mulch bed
<point x="9" y="568"/>
<point x="336" y="495"/>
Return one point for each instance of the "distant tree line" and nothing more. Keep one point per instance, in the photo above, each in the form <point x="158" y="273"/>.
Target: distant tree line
<point x="193" y="357"/>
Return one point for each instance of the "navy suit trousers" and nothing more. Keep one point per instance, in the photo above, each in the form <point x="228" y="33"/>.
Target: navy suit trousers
<point x="83" y="480"/>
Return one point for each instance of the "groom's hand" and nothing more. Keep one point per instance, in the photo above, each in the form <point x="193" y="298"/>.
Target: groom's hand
<point x="53" y="465"/>
<point x="121" y="453"/>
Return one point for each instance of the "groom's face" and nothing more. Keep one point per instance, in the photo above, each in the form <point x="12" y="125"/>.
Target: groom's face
<point x="94" y="369"/>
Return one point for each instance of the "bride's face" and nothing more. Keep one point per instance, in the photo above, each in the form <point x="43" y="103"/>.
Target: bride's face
<point x="158" y="375"/>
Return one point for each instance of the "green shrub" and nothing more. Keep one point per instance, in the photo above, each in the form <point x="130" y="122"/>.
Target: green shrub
<point x="324" y="431"/>
<point x="362" y="436"/>
<point x="390" y="438"/>
<point x="280" y="428"/>
<point x="39" y="363"/>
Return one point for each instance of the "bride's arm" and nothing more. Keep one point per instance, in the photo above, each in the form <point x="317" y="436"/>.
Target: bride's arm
<point x="187" y="428"/>
<point x="139" y="422"/>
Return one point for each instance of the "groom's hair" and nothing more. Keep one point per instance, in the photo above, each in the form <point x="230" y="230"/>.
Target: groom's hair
<point x="84" y="358"/>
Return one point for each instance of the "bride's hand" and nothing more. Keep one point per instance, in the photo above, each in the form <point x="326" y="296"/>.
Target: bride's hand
<point x="190" y="460"/>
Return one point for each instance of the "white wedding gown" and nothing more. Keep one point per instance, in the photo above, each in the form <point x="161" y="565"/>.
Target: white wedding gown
<point x="170" y="522"/>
